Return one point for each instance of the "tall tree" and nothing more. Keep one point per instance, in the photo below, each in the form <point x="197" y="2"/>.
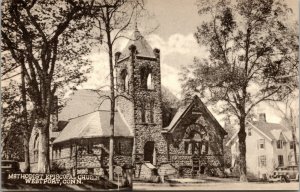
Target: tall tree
<point x="17" y="122"/>
<point x="46" y="38"/>
<point x="250" y="44"/>
<point x="11" y="131"/>
<point x="114" y="18"/>
<point x="289" y="111"/>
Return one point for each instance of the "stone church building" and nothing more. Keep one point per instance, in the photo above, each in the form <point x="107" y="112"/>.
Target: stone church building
<point x="155" y="139"/>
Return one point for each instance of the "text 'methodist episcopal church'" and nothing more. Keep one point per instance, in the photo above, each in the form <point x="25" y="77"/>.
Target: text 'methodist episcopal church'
<point x="149" y="137"/>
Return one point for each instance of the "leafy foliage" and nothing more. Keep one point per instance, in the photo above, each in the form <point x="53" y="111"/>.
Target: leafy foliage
<point x="48" y="40"/>
<point x="253" y="48"/>
<point x="11" y="124"/>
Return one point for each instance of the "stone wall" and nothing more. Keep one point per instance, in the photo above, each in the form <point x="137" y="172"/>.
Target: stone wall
<point x="92" y="161"/>
<point x="149" y="98"/>
<point x="148" y="131"/>
<point x="213" y="160"/>
<point x="146" y="172"/>
<point x="125" y="104"/>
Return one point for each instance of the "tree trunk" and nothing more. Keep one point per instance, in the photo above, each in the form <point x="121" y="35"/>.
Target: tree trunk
<point x="26" y="125"/>
<point x="112" y="111"/>
<point x="26" y="153"/>
<point x="43" y="156"/>
<point x="295" y="144"/>
<point x="242" y="149"/>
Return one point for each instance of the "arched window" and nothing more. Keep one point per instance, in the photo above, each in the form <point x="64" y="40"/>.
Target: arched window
<point x="149" y="81"/>
<point x="126" y="87"/>
<point x="143" y="76"/>
<point x="146" y="78"/>
<point x="124" y="80"/>
<point x="196" y="140"/>
<point x="36" y="148"/>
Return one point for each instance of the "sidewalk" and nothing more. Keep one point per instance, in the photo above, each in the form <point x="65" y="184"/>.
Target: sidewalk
<point x="215" y="186"/>
<point x="203" y="179"/>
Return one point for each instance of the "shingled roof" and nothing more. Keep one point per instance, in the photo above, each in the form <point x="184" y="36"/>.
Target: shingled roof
<point x="271" y="131"/>
<point x="94" y="125"/>
<point x="86" y="115"/>
<point x="84" y="101"/>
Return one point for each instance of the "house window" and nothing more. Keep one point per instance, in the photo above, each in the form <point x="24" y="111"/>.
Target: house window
<point x="151" y="111"/>
<point x="90" y="147"/>
<point x="249" y="132"/>
<point x="118" y="147"/>
<point x="279" y="144"/>
<point x="292" y="145"/>
<point x="290" y="157"/>
<point x="261" y="144"/>
<point x="186" y="147"/>
<point x="280" y="160"/>
<point x="262" y="161"/>
<point x="71" y="151"/>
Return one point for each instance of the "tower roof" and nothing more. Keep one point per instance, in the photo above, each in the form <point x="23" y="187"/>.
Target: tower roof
<point x="142" y="46"/>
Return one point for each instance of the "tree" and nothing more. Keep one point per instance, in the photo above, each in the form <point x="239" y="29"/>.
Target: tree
<point x="45" y="38"/>
<point x="289" y="110"/>
<point x="11" y="131"/>
<point x="17" y="123"/>
<point x="114" y="17"/>
<point x="231" y="130"/>
<point x="250" y="44"/>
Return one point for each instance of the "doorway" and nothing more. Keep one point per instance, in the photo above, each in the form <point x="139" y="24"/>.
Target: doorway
<point x="148" y="151"/>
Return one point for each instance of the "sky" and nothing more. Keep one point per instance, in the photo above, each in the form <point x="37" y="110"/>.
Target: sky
<point x="177" y="21"/>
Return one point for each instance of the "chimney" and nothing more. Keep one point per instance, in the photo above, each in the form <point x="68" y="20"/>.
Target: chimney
<point x="262" y="117"/>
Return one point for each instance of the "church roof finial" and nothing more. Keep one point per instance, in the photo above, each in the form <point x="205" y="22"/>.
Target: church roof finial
<point x="142" y="46"/>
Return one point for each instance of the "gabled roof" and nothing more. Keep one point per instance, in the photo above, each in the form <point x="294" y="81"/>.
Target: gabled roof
<point x="179" y="114"/>
<point x="183" y="111"/>
<point x="271" y="131"/>
<point x="288" y="135"/>
<point x="142" y="46"/>
<point x="93" y="125"/>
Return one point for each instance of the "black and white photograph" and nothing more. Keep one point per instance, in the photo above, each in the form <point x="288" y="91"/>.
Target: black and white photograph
<point x="128" y="95"/>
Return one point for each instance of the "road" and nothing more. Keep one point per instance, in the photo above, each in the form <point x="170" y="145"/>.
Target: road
<point x="218" y="186"/>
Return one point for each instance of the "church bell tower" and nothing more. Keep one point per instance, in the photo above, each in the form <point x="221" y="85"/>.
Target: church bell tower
<point x="138" y="79"/>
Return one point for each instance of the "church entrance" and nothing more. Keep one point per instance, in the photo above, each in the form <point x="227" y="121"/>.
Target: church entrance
<point x="148" y="151"/>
